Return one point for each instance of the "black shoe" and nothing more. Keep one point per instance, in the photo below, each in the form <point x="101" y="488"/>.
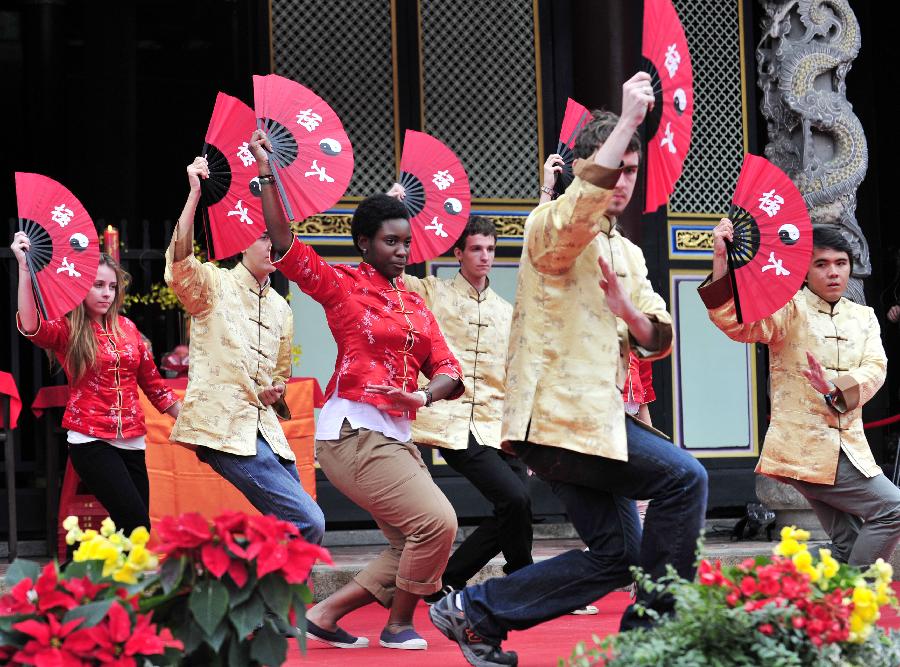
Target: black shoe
<point x="434" y="597"/>
<point x="451" y="620"/>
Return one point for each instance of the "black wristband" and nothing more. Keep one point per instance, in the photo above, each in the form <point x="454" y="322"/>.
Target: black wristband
<point x="268" y="178"/>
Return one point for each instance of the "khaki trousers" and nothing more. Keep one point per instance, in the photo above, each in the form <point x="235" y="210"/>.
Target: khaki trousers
<point x="389" y="480"/>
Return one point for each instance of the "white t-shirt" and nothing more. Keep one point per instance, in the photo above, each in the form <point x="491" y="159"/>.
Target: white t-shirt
<point x="135" y="443"/>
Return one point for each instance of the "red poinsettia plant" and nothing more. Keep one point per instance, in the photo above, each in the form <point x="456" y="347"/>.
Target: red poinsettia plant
<point x="54" y="618"/>
<point x="243" y="580"/>
<point x="229" y="592"/>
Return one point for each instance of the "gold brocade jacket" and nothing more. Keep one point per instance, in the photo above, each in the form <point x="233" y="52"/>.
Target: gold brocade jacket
<point x="241" y="338"/>
<point x="568" y="353"/>
<point x="476" y="328"/>
<point x="805" y="435"/>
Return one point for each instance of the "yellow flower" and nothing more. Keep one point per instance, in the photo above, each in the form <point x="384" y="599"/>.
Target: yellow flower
<point x="127" y="574"/>
<point x="139" y="536"/>
<point x="883" y="593"/>
<point x="884" y="571"/>
<point x="794" y="533"/>
<point x="788" y="547"/>
<point x="828" y="566"/>
<point x="89" y="535"/>
<point x="107" y="527"/>
<point x="70" y="523"/>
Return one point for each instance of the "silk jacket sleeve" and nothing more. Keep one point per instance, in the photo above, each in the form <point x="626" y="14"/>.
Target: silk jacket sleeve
<point x="283" y="365"/>
<point x="150" y="381"/>
<point x="719" y="301"/>
<point x="441" y="360"/>
<point x="195" y="283"/>
<point x="859" y="384"/>
<point x="313" y="275"/>
<point x="559" y="230"/>
<point x="654" y="307"/>
<point x="49" y="335"/>
<point x="424" y="287"/>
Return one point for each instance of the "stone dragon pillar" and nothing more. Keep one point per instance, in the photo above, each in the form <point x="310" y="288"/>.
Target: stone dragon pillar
<point x="806" y="50"/>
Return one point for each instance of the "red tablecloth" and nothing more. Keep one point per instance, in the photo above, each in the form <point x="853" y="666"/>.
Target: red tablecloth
<point x="8" y="388"/>
<point x="50" y="397"/>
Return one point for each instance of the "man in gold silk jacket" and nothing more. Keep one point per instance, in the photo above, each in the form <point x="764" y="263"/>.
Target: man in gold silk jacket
<point x="825" y="362"/>
<point x="475" y="322"/>
<point x="240" y="356"/>
<point x="583" y="299"/>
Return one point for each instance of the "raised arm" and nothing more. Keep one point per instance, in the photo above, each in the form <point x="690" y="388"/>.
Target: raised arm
<point x="277" y="224"/>
<point x="28" y="312"/>
<point x="194" y="283"/>
<point x="556" y="234"/>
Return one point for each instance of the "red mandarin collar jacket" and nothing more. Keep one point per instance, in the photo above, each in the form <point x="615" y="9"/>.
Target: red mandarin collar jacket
<point x="104" y="402"/>
<point x="384" y="334"/>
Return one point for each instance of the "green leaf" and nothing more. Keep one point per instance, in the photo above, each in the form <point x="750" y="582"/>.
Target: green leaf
<point x="208" y="603"/>
<point x="241" y="595"/>
<point x="301" y="592"/>
<point x="247" y="617"/>
<point x="6" y="623"/>
<point x="22" y="569"/>
<point x="92" y="612"/>
<point x="219" y="635"/>
<point x="191" y="634"/>
<point x="277" y="594"/>
<point x="238" y="653"/>
<point x="92" y="569"/>
<point x="268" y="646"/>
<point x="171" y="573"/>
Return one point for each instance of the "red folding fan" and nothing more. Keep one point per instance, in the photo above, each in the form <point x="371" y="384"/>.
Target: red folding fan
<point x="231" y="195"/>
<point x="769" y="256"/>
<point x="312" y="158"/>
<point x="574" y="120"/>
<point x="668" y="124"/>
<point x="437" y="195"/>
<point x="64" y="252"/>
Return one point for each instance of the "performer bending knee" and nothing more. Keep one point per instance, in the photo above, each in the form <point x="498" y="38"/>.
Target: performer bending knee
<point x="385" y="336"/>
<point x="582" y="302"/>
<point x="826" y="361"/>
<point x="105" y="360"/>
<point x="240" y="353"/>
<point x="475" y="322"/>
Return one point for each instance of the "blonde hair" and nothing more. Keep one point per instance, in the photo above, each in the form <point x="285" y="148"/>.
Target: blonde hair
<point x="81" y="350"/>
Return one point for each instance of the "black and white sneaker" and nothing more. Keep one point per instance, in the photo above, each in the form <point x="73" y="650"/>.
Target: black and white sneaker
<point x="451" y="620"/>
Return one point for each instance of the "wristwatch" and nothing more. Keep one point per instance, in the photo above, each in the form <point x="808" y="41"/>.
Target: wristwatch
<point x="829" y="397"/>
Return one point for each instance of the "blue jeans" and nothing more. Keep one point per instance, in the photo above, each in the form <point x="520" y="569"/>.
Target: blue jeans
<point x="599" y="496"/>
<point x="272" y="485"/>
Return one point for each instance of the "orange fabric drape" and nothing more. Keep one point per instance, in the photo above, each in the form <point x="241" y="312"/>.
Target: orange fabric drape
<point x="180" y="483"/>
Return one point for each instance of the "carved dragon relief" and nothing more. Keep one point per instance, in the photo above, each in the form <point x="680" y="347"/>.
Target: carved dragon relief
<point x="807" y="48"/>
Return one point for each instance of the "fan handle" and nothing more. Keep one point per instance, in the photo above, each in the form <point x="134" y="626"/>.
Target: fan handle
<point x="734" y="290"/>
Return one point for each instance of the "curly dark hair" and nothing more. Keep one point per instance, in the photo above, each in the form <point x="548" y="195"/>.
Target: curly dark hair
<point x="597" y="131"/>
<point x="476" y="225"/>
<point x="371" y="212"/>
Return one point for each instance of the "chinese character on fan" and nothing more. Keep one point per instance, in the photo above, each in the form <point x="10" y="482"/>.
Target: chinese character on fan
<point x="308" y="119"/>
<point x="62" y="214"/>
<point x="241" y="210"/>
<point x="770" y="203"/>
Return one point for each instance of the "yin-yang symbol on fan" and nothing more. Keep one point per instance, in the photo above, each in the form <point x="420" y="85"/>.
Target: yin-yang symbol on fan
<point x="330" y="146"/>
<point x="79" y="242"/>
<point x="788" y="234"/>
<point x="453" y="206"/>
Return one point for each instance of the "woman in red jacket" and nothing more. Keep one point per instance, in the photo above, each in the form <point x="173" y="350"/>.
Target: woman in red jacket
<point x="105" y="360"/>
<point x="385" y="336"/>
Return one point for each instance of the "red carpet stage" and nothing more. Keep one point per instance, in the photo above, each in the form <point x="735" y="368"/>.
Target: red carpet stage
<point x="538" y="647"/>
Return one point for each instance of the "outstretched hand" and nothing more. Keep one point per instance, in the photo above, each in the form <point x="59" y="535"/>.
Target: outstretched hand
<point x="399" y="399"/>
<point x="816" y="375"/>
<point x="616" y="297"/>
